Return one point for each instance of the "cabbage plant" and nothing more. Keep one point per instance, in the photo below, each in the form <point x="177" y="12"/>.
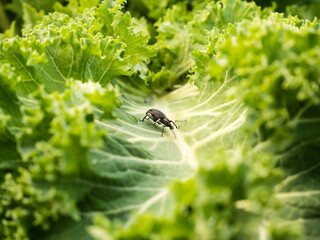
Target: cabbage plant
<point x="76" y="162"/>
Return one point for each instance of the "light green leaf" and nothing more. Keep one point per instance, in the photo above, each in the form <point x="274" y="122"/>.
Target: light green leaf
<point x="30" y="16"/>
<point x="242" y="164"/>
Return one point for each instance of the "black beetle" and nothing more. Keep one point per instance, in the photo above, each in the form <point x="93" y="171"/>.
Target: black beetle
<point x="159" y="117"/>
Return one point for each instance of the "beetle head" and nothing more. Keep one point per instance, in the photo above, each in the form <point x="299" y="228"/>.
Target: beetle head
<point x="167" y="123"/>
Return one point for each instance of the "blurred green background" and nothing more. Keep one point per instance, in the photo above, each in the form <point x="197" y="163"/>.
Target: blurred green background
<point x="18" y="13"/>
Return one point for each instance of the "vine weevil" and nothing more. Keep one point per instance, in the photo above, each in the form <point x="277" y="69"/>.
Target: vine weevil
<point x="159" y="117"/>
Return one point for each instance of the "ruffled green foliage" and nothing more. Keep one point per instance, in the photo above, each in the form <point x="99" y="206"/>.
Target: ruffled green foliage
<point x="98" y="46"/>
<point x="75" y="162"/>
<point x="180" y="31"/>
<point x="235" y="188"/>
<point x="224" y="201"/>
<point x="278" y="77"/>
<point x="55" y="82"/>
<point x="308" y="9"/>
<point x="27" y="13"/>
<point x="153" y="10"/>
<point x="53" y="146"/>
<point x="52" y="142"/>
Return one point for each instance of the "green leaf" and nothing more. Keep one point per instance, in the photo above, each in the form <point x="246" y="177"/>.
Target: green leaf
<point x="242" y="163"/>
<point x="31" y="17"/>
<point x="180" y="32"/>
<point x="266" y="143"/>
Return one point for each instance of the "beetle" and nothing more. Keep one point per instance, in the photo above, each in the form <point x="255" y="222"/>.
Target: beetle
<point x="159" y="117"/>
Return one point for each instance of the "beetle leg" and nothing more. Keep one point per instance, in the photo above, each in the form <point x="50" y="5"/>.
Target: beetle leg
<point x="158" y="121"/>
<point x="162" y="130"/>
<point x="143" y="118"/>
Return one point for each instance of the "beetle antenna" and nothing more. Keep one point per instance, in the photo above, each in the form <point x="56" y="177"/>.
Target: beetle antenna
<point x="179" y="121"/>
